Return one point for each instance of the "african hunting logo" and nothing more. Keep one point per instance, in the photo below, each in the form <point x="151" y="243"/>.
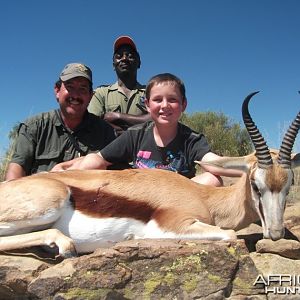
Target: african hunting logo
<point x="279" y="284"/>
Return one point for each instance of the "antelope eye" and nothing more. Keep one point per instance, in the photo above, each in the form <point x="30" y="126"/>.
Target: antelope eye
<point x="255" y="188"/>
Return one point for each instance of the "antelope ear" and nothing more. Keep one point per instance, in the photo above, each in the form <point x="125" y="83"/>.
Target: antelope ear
<point x="295" y="160"/>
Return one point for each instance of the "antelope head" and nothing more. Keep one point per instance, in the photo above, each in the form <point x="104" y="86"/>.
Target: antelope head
<point x="271" y="176"/>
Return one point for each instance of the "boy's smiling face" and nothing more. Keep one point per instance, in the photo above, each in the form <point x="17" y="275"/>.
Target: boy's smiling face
<point x="166" y="103"/>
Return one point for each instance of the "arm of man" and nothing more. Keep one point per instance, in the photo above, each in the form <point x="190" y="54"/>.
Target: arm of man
<point x="14" y="171"/>
<point x="23" y="155"/>
<point x="116" y="117"/>
<point x="121" y="121"/>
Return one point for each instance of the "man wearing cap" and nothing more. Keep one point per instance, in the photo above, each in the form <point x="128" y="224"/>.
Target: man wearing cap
<point x="122" y="103"/>
<point x="63" y="134"/>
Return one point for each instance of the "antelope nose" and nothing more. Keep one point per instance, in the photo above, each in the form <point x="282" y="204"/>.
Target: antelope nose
<point x="276" y="234"/>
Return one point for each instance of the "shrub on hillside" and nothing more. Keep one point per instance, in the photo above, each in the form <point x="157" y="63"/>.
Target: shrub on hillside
<point x="225" y="137"/>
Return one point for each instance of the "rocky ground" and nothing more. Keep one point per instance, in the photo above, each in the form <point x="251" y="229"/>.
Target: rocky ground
<point x="161" y="269"/>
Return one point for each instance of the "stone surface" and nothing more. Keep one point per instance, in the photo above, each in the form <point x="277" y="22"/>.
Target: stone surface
<point x="283" y="247"/>
<point x="272" y="264"/>
<point x="144" y="269"/>
<point x="292" y="219"/>
<point x="16" y="272"/>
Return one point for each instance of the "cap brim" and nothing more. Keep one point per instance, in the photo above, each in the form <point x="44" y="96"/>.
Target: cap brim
<point x="74" y="75"/>
<point x="124" y="40"/>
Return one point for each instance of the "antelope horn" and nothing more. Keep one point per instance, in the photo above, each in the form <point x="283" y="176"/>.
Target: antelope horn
<point x="262" y="152"/>
<point x="284" y="156"/>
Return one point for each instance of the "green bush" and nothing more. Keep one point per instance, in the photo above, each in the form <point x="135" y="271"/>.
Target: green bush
<point x="225" y="137"/>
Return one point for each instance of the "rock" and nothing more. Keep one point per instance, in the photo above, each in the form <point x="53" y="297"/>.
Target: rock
<point x="269" y="264"/>
<point x="148" y="269"/>
<point x="292" y="219"/>
<point x="283" y="247"/>
<point x="16" y="272"/>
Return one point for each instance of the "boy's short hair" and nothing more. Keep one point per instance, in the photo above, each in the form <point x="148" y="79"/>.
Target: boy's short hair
<point x="165" y="77"/>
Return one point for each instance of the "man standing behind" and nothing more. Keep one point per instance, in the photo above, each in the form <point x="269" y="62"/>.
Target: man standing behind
<point x="122" y="103"/>
<point x="63" y="134"/>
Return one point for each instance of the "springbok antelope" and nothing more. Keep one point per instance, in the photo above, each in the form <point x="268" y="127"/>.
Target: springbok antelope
<point x="78" y="211"/>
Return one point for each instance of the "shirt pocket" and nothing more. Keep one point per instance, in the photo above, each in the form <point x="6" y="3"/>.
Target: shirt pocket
<point x="113" y="107"/>
<point x="46" y="161"/>
<point x="48" y="155"/>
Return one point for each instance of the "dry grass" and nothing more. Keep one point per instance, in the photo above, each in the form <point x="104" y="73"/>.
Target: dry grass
<point x="4" y="161"/>
<point x="294" y="194"/>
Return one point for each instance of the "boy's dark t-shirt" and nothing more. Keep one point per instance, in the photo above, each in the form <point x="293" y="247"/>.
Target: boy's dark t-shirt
<point x="137" y="145"/>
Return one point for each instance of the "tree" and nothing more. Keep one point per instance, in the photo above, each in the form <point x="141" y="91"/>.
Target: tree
<point x="225" y="137"/>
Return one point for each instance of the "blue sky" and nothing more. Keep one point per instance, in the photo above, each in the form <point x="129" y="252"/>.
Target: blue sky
<point x="221" y="49"/>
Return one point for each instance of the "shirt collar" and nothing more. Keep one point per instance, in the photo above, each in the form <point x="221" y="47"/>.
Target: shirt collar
<point x="57" y="118"/>
<point x="85" y="123"/>
<point x="115" y="86"/>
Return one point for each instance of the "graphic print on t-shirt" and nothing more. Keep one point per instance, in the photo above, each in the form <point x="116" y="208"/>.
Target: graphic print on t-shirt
<point x="173" y="162"/>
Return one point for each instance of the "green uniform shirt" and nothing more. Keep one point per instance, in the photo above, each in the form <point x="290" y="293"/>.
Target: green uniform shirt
<point x="111" y="98"/>
<point x="43" y="141"/>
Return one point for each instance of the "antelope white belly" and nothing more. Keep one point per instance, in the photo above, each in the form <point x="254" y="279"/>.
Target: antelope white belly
<point x="89" y="233"/>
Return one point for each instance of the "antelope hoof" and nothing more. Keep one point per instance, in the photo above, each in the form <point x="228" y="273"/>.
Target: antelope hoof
<point x="230" y="235"/>
<point x="69" y="253"/>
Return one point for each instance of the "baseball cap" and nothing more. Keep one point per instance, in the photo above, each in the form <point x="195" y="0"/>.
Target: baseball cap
<point x="73" y="70"/>
<point x="124" y="40"/>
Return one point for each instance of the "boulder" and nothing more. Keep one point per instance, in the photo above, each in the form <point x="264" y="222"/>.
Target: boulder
<point x="140" y="269"/>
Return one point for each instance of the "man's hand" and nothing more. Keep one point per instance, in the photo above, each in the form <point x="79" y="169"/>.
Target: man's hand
<point x="88" y="162"/>
<point x="112" y="117"/>
<point x="68" y="165"/>
<point x="116" y="121"/>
